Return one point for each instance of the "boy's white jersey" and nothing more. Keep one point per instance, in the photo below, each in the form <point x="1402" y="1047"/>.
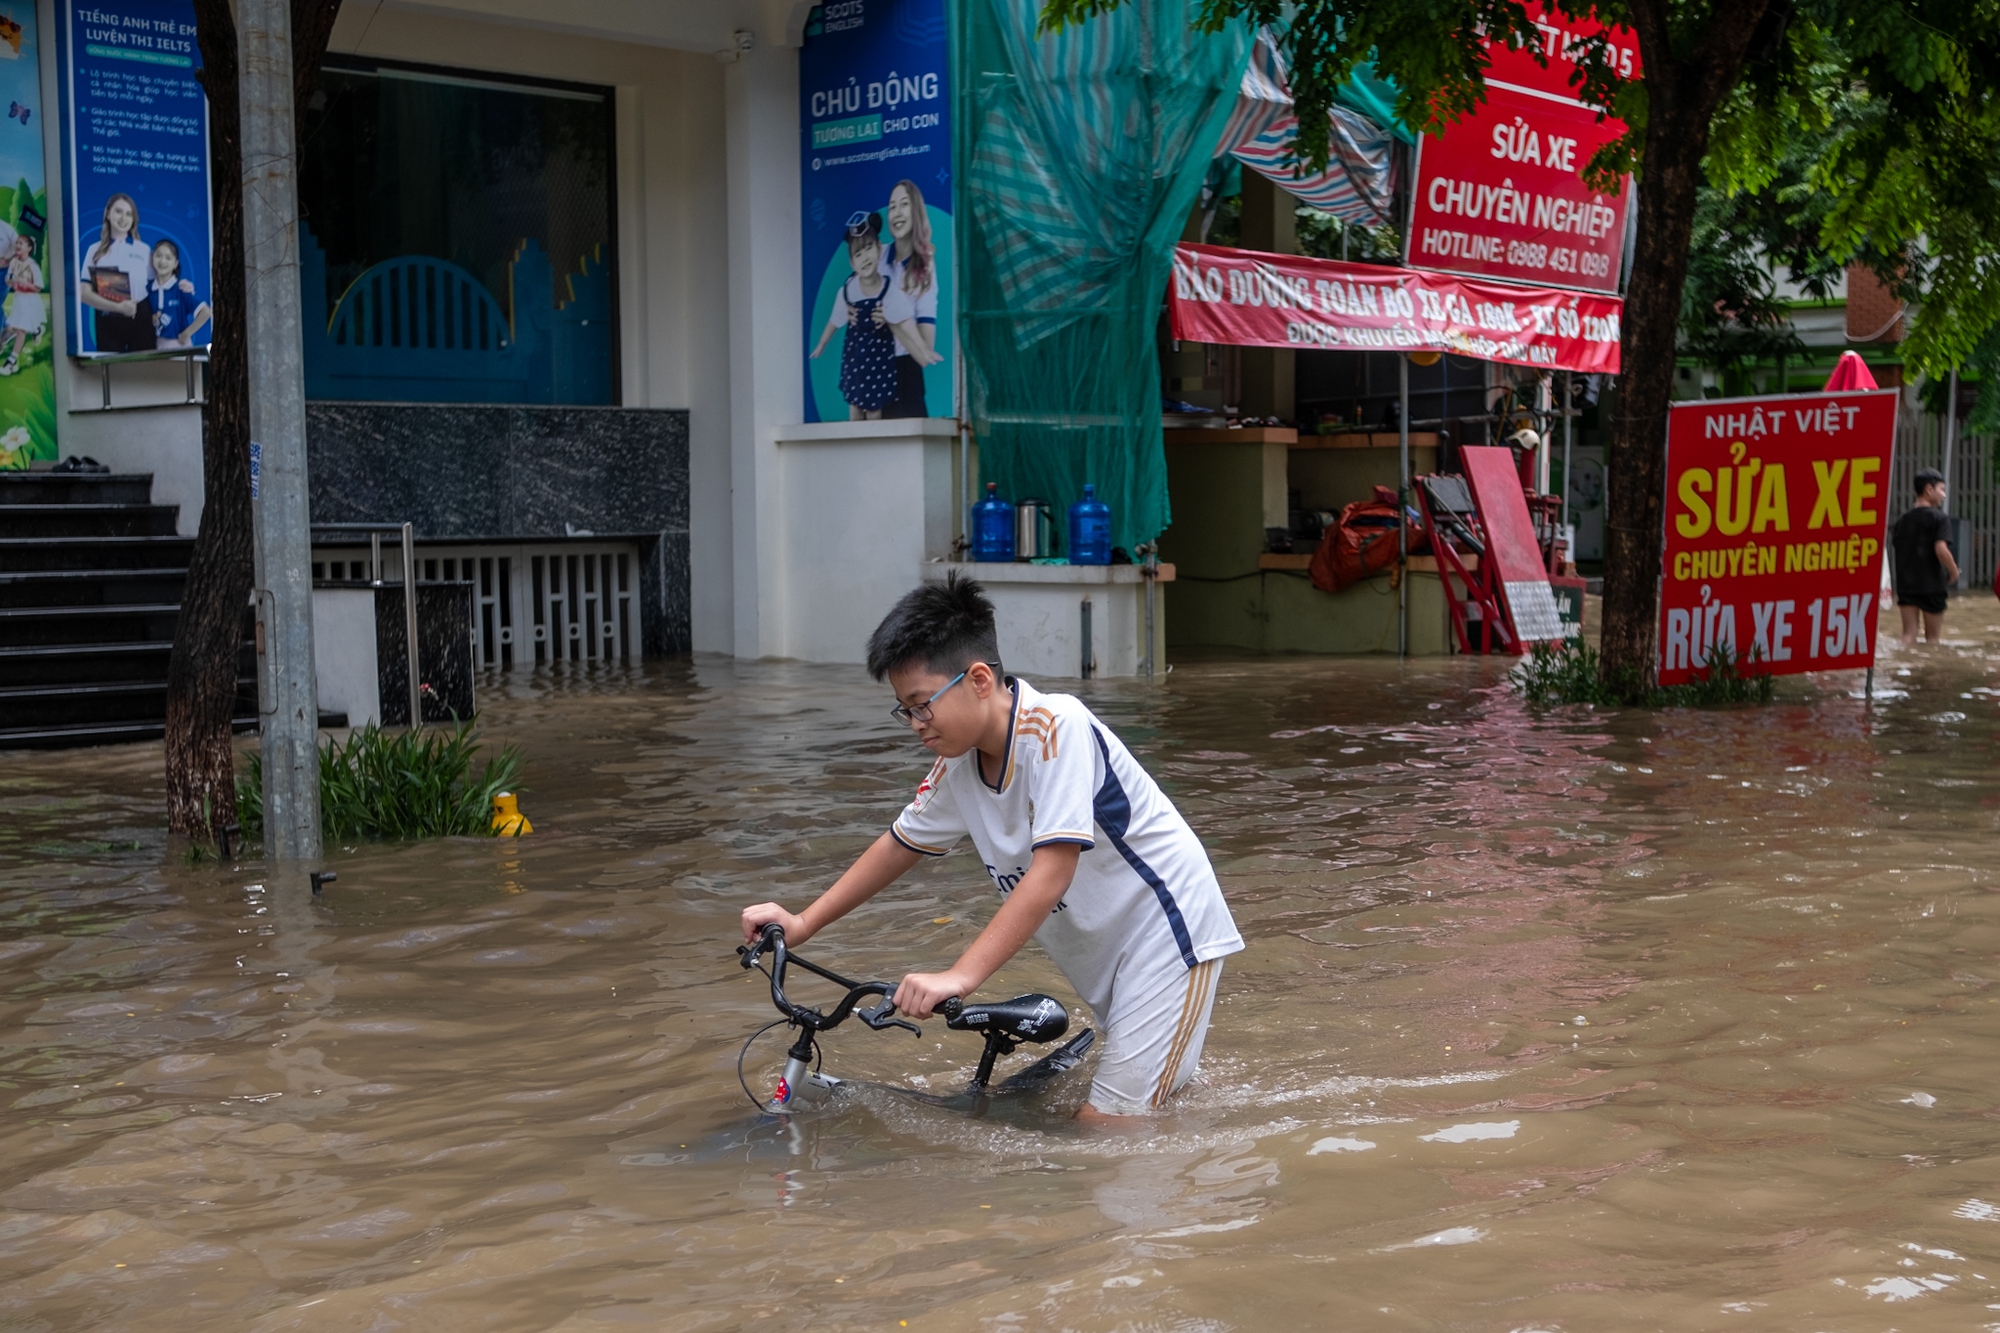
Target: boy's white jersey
<point x="1144" y="906"/>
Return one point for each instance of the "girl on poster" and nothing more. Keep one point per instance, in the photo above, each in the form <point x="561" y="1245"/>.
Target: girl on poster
<point x="114" y="278"/>
<point x="909" y="308"/>
<point x="867" y="375"/>
<point x="27" y="314"/>
<point x="178" y="312"/>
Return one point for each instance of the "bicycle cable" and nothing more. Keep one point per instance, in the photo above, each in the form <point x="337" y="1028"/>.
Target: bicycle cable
<point x="779" y="1022"/>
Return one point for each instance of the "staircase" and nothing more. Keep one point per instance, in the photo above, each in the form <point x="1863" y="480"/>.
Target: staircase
<point x="91" y="572"/>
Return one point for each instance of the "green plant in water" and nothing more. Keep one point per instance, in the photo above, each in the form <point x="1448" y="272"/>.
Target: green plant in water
<point x="1573" y="673"/>
<point x="397" y="786"/>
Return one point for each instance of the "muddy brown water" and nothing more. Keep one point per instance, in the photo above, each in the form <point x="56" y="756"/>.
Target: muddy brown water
<point x="1580" y="1020"/>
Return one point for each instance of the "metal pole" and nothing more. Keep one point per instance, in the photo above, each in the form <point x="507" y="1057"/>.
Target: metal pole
<point x="1403" y="506"/>
<point x="410" y="622"/>
<point x="1950" y="436"/>
<point x="1149" y="570"/>
<point x="1569" y="433"/>
<point x="278" y="424"/>
<point x="375" y="558"/>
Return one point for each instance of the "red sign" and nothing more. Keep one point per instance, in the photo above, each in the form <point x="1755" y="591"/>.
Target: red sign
<point x="1501" y="195"/>
<point x="1561" y="40"/>
<point x="1252" y="299"/>
<point x="1775" y="514"/>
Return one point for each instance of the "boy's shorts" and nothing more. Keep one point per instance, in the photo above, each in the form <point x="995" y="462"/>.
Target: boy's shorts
<point x="1932" y="603"/>
<point x="1153" y="1044"/>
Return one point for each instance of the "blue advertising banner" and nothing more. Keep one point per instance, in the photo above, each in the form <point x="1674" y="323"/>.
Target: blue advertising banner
<point x="27" y="357"/>
<point x="876" y="169"/>
<point x="135" y="144"/>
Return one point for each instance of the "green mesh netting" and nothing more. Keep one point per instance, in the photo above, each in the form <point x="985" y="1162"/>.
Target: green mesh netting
<point x="1084" y="152"/>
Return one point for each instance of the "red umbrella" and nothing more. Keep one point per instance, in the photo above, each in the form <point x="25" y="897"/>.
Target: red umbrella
<point x="1850" y="373"/>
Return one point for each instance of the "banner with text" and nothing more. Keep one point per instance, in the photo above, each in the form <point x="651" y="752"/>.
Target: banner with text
<point x="1563" y="42"/>
<point x="1500" y="194"/>
<point x="875" y="183"/>
<point x="1252" y="299"/>
<point x="1775" y="515"/>
<point x="135" y="148"/>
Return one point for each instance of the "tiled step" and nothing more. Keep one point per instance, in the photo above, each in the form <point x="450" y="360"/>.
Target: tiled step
<point x="90" y="587"/>
<point x="41" y="707"/>
<point x="27" y="554"/>
<point x="40" y="664"/>
<point x="118" y="733"/>
<point x="94" y="733"/>
<point x="89" y="520"/>
<point x="30" y="626"/>
<point x="45" y="488"/>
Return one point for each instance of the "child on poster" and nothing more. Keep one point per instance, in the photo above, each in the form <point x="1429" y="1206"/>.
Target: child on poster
<point x="867" y="371"/>
<point x="178" y="314"/>
<point x="27" y="312"/>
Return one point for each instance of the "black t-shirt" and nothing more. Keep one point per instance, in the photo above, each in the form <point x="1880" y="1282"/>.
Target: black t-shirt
<point x="1914" y="544"/>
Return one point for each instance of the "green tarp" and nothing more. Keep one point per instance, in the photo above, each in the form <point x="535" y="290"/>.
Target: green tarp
<point x="1082" y="154"/>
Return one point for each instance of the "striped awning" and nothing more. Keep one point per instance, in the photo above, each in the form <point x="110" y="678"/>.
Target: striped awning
<point x="1358" y="184"/>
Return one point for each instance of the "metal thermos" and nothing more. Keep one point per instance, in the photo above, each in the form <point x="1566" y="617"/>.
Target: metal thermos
<point x="1034" y="530"/>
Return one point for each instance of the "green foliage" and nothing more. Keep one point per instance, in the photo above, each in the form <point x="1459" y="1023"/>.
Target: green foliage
<point x="1433" y="51"/>
<point x="1744" y="234"/>
<point x="397" y="786"/>
<point x="1321" y="236"/>
<point x="1566" y="673"/>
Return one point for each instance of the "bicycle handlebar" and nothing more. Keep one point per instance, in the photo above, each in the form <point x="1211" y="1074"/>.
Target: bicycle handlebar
<point x="772" y="938"/>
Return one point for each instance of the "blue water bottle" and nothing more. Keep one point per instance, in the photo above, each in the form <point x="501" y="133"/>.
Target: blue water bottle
<point x="992" y="527"/>
<point x="1090" y="530"/>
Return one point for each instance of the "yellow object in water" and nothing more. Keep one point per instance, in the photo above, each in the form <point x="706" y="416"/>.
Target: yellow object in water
<point x="508" y="821"/>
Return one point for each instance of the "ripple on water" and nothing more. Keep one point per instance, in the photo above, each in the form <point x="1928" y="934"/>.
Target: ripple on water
<point x="493" y="1083"/>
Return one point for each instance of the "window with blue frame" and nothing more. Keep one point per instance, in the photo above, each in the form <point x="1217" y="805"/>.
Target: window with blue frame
<point x="456" y="241"/>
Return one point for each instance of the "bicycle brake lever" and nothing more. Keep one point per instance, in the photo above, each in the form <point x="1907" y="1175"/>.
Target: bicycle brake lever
<point x="882" y="1017"/>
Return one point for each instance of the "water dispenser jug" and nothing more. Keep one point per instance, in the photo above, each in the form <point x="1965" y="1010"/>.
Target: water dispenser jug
<point x="1090" y="530"/>
<point x="992" y="527"/>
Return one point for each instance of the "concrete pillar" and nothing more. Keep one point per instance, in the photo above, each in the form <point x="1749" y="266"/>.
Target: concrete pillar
<point x="1270" y="222"/>
<point x="278" y="433"/>
<point x="766" y="389"/>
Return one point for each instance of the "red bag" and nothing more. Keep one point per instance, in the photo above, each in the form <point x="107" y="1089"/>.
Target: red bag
<point x="1361" y="544"/>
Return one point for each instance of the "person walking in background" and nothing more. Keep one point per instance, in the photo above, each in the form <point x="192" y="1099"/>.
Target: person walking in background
<point x="1924" y="566"/>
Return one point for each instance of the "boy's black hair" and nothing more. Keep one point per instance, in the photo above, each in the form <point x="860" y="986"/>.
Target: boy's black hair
<point x="1927" y="478"/>
<point x="945" y="626"/>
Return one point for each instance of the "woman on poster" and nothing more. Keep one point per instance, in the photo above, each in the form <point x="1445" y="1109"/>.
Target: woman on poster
<point x="909" y="307"/>
<point x="114" y="277"/>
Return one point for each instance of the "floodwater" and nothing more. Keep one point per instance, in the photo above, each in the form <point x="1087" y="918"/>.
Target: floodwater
<point x="1585" y="1020"/>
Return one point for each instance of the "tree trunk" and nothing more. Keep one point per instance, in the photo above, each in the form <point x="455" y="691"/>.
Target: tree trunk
<point x="208" y="638"/>
<point x="1681" y="99"/>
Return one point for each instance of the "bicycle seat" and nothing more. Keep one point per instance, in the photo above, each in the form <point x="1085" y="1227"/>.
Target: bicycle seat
<point x="1023" y="1018"/>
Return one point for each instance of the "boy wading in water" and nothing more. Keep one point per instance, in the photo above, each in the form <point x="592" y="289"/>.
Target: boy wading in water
<point x="1087" y="853"/>
<point x="1924" y="566"/>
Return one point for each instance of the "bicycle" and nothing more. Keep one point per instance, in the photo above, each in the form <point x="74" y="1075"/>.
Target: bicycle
<point x="1005" y="1026"/>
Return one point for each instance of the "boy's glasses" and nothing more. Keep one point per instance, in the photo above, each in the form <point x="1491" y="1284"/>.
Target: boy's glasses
<point x="922" y="712"/>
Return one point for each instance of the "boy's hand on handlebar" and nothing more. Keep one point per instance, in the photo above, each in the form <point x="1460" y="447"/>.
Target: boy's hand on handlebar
<point x="763" y="914"/>
<point x="922" y="992"/>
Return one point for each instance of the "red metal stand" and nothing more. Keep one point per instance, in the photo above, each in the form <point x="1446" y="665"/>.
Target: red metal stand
<point x="1451" y="521"/>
